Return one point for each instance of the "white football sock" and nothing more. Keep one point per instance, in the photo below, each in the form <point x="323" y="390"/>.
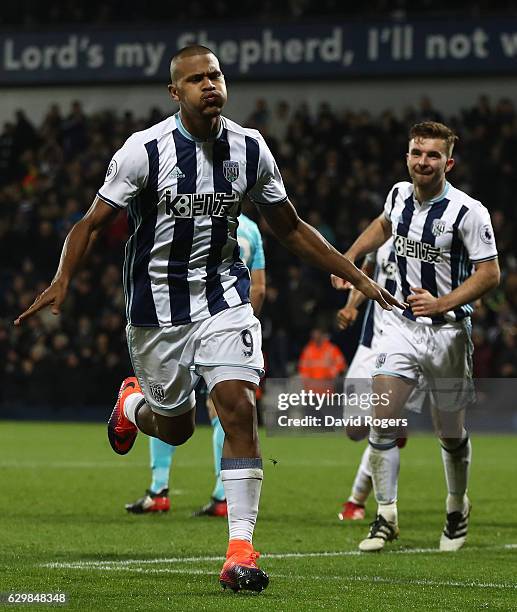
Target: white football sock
<point x="389" y="512"/>
<point x="456" y="463"/>
<point x="385" y="465"/>
<point x="363" y="480"/>
<point x="131" y="404"/>
<point x="242" y="480"/>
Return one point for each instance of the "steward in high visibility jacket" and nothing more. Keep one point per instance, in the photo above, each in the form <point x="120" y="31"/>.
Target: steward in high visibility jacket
<point x="320" y="363"/>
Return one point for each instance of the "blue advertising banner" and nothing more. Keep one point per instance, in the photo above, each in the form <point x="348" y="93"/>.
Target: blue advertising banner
<point x="332" y="51"/>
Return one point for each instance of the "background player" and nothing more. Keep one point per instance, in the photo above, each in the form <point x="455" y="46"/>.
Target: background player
<point x="187" y="291"/>
<point x="381" y="266"/>
<point x="440" y="234"/>
<point x="156" y="498"/>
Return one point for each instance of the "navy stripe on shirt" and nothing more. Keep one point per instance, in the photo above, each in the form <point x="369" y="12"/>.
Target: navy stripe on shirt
<point x="403" y="230"/>
<point x="391" y="284"/>
<point x="219" y="235"/>
<point x="143" y="309"/>
<point x="428" y="270"/>
<point x="459" y="259"/>
<point x="242" y="273"/>
<point x="252" y="158"/>
<point x="183" y="233"/>
<point x="128" y="258"/>
<point x="367" y="329"/>
<point x="393" y="199"/>
<point x="221" y="153"/>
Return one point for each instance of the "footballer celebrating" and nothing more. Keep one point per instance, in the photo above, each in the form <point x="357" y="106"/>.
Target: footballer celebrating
<point x="446" y="259"/>
<point x="156" y="498"/>
<point x="187" y="291"/>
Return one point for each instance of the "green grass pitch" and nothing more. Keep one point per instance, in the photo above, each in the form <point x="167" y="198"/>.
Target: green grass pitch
<point x="64" y="528"/>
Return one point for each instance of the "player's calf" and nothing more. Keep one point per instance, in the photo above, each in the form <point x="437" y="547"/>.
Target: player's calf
<point x="235" y="404"/>
<point x="384" y="460"/>
<point x="456" y="457"/>
<point x="174" y="430"/>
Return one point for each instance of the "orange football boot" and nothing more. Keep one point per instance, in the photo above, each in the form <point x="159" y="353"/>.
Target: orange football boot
<point x="121" y="432"/>
<point x="240" y="570"/>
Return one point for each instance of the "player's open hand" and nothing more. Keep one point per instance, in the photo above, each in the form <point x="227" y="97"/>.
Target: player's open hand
<point x="339" y="283"/>
<point x="53" y="296"/>
<point x="423" y="303"/>
<point x="346" y="316"/>
<point x="375" y="292"/>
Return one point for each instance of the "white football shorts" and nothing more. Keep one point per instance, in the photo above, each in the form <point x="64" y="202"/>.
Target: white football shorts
<point x="359" y="380"/>
<point x="437" y="356"/>
<point x="169" y="361"/>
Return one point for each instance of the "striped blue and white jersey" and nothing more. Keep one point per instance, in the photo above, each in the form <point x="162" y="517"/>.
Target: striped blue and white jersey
<point x="437" y="242"/>
<point x="250" y="243"/>
<point x="385" y="274"/>
<point x="183" y="199"/>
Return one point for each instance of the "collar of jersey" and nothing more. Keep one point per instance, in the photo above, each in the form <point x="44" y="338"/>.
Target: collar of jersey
<point x="184" y="132"/>
<point x="438" y="197"/>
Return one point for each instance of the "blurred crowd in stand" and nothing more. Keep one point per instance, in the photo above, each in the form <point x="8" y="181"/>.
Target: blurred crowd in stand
<point x="337" y="166"/>
<point x="35" y="14"/>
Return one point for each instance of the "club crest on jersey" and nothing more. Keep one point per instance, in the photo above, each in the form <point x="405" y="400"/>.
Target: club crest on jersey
<point x="230" y="170"/>
<point x="157" y="391"/>
<point x="381" y="360"/>
<point x="188" y="205"/>
<point x="438" y="227"/>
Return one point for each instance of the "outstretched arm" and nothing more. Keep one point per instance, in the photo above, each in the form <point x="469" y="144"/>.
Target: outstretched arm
<point x="374" y="236"/>
<point x="303" y="240"/>
<point x="77" y="244"/>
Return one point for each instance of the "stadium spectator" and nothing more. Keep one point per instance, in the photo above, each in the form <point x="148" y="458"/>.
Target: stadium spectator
<point x="343" y="184"/>
<point x="101" y="13"/>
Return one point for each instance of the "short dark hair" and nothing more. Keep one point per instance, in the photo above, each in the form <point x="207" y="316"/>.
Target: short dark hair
<point x="187" y="52"/>
<point x="434" y="129"/>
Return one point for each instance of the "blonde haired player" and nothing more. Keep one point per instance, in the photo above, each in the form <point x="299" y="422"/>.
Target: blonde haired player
<point x="446" y="259"/>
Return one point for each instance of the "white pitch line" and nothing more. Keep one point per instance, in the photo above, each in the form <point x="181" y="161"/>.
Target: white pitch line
<point x="76" y="465"/>
<point x="169" y="560"/>
<point x="344" y="578"/>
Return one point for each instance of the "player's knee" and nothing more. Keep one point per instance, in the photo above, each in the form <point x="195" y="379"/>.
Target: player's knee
<point x="456" y="444"/>
<point x="382" y="439"/>
<point x="357" y="433"/>
<point x="176" y="438"/>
